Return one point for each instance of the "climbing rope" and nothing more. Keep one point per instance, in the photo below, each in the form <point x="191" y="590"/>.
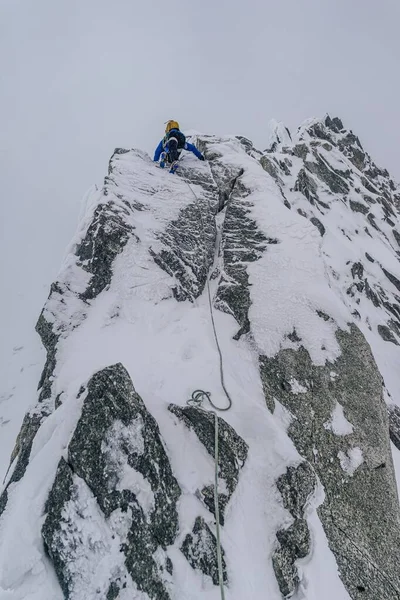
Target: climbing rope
<point x="197" y="398"/>
<point x="221" y="360"/>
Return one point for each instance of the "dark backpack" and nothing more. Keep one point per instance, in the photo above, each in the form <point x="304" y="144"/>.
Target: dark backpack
<point x="177" y="134"/>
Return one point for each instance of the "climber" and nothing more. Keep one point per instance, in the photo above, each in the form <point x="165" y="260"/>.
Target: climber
<point x="172" y="144"/>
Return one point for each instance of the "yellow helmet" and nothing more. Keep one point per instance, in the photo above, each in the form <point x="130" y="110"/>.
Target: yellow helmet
<point x="171" y="125"/>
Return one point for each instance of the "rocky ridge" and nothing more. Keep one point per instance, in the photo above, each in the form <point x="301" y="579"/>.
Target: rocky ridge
<point x="299" y="248"/>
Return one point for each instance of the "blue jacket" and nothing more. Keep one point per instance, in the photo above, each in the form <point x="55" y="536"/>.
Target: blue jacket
<point x="187" y="146"/>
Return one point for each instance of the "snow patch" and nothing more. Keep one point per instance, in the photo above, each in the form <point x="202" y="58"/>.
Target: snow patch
<point x="296" y="387"/>
<point x="352" y="460"/>
<point x="338" y="423"/>
<point x="119" y="441"/>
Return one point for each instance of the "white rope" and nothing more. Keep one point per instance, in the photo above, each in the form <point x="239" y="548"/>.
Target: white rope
<point x="221" y="360"/>
<point x="216" y="504"/>
<point x="197" y="399"/>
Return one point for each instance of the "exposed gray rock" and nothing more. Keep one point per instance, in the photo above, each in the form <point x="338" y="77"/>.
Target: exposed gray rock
<point x="285" y="166"/>
<point x="317" y="130"/>
<point x="392" y="278"/>
<point x="232" y="451"/>
<point x="248" y="146"/>
<point x="360" y="513"/>
<point x="371" y="219"/>
<point x="333" y="179"/>
<point x="334" y="124"/>
<point x="357" y="270"/>
<point x="370" y="294"/>
<point x="105" y="238"/>
<point x="294" y="543"/>
<point x="301" y="150"/>
<point x="368" y="186"/>
<point x="396" y="236"/>
<point x="351" y="147"/>
<point x="358" y="207"/>
<point x="318" y="225"/>
<point x="22" y="450"/>
<point x="271" y="168"/>
<point x="307" y="186"/>
<point x="200" y="549"/>
<point x="296" y="486"/>
<point x="49" y="340"/>
<point x="387" y="335"/>
<point x="60" y="494"/>
<point x="242" y="242"/>
<point x="394" y="425"/>
<point x="188" y="251"/>
<point x="115" y="433"/>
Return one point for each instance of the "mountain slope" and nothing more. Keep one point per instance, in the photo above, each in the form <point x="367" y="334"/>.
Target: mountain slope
<point x="296" y="250"/>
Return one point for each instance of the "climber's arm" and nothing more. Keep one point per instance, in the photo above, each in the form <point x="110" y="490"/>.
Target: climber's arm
<point x="158" y="151"/>
<point x="193" y="149"/>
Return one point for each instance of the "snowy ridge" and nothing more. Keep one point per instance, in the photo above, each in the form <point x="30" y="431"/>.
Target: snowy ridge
<point x="301" y="247"/>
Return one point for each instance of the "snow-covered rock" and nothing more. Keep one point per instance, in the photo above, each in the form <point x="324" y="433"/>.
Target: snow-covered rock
<point x="269" y="279"/>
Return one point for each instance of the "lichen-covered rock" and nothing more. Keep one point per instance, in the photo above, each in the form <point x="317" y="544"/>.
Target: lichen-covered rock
<point x="360" y="513"/>
<point x="118" y="469"/>
<point x="200" y="549"/>
<point x="232" y="451"/>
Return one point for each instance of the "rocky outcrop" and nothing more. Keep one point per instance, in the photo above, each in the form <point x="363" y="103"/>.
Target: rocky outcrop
<point x="115" y="497"/>
<point x="232" y="448"/>
<point x="351" y="457"/>
<point x="394" y="425"/>
<point x="296" y="486"/>
<point x="200" y="550"/>
<point x="294" y="543"/>
<point x="240" y="246"/>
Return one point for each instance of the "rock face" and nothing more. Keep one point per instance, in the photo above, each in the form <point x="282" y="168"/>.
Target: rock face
<point x="274" y="275"/>
<point x="232" y="448"/>
<point x="296" y="487"/>
<point x="351" y="457"/>
<point x="200" y="549"/>
<point x="117" y="486"/>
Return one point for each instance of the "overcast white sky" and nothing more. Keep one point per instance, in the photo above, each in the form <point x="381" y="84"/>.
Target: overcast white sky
<point x="80" y="77"/>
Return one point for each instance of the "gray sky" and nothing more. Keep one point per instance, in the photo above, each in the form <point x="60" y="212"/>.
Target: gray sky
<point x="79" y="77"/>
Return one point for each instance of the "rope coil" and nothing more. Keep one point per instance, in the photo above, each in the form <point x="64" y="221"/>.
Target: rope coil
<point x="221" y="360"/>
